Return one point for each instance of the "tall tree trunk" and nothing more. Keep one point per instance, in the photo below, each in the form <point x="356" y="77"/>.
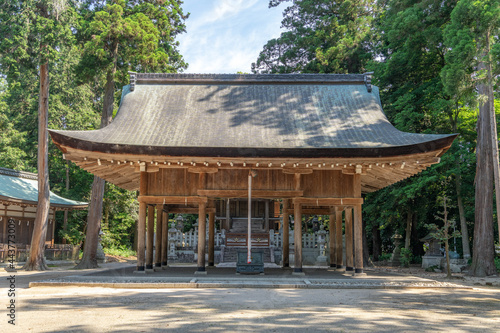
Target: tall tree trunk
<point x="484" y="249"/>
<point x="65" y="221"/>
<point x="494" y="135"/>
<point x="366" y="254"/>
<point x="446" y="239"/>
<point x="408" y="228"/>
<point x="461" y="211"/>
<point x="36" y="260"/>
<point x="377" y="242"/>
<point x="460" y="203"/>
<point x="89" y="259"/>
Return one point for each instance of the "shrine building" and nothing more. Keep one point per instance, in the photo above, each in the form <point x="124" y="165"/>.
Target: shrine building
<point x="18" y="202"/>
<point x="213" y="144"/>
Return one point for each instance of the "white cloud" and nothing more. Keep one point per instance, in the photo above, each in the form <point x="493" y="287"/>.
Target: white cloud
<point x="227" y="36"/>
<point x="224" y="9"/>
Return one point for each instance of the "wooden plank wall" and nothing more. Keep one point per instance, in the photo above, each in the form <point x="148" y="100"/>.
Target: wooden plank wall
<point x="320" y="183"/>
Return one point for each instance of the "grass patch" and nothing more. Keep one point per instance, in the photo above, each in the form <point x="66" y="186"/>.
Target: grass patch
<point x="121" y="252"/>
<point x="497" y="264"/>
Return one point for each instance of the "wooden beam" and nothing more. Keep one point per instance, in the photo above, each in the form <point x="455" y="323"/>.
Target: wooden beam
<point x="311" y="211"/>
<point x="188" y="210"/>
<point x="291" y="171"/>
<point x="202" y="170"/>
<point x="170" y="200"/>
<point x="263" y="194"/>
<point x="328" y="201"/>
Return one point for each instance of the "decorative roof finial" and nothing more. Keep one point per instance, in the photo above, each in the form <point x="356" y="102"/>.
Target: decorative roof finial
<point x="133" y="76"/>
<point x="368" y="81"/>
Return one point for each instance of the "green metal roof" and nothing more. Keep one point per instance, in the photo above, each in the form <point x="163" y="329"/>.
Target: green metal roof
<point x="22" y="187"/>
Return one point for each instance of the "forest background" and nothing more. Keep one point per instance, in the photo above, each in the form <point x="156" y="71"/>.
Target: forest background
<point x="426" y="56"/>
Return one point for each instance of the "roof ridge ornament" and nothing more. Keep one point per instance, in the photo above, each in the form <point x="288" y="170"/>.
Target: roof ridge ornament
<point x="368" y="81"/>
<point x="133" y="76"/>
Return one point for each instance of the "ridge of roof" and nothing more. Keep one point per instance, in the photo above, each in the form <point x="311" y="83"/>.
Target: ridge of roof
<point x="19" y="174"/>
<point x="182" y="78"/>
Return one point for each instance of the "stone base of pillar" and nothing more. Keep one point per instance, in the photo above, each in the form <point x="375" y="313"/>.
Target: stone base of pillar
<point x="149" y="267"/>
<point x="340" y="268"/>
<point x="200" y="273"/>
<point x="333" y="265"/>
<point x="211" y="264"/>
<point x="157" y="264"/>
<point x="140" y="270"/>
<point x="358" y="270"/>
<point x="349" y="269"/>
<point x="359" y="274"/>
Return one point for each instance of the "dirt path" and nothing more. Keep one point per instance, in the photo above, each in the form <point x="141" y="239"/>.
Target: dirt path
<point x="78" y="309"/>
<point x="85" y="309"/>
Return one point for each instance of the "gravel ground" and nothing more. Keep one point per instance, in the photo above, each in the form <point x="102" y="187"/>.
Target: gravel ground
<point x="357" y="309"/>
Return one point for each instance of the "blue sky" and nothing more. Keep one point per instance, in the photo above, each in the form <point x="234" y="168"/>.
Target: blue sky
<point x="226" y="36"/>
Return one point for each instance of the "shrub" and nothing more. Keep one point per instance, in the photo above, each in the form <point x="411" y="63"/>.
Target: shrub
<point x="120" y="251"/>
<point x="385" y="257"/>
<point x="406" y="257"/>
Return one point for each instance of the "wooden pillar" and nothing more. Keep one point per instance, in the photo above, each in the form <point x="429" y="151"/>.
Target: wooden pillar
<point x="338" y="234"/>
<point x="266" y="215"/>
<point x="141" y="228"/>
<point x="211" y="238"/>
<point x="4" y="221"/>
<point x="201" y="235"/>
<point x="228" y="214"/>
<point x="164" y="238"/>
<point x="358" y="240"/>
<point x="349" y="262"/>
<point x="358" y="227"/>
<point x="298" y="237"/>
<point x="286" y="234"/>
<point x="53" y="228"/>
<point x="333" y="241"/>
<point x="150" y="237"/>
<point x="159" y="234"/>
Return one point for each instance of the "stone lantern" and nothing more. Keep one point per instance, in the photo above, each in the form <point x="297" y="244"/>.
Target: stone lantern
<point x="172" y="233"/>
<point x="396" y="254"/>
<point x="179" y="222"/>
<point x="321" y="260"/>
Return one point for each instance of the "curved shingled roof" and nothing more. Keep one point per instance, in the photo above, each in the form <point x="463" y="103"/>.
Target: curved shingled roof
<point x="291" y="115"/>
<point x="22" y="188"/>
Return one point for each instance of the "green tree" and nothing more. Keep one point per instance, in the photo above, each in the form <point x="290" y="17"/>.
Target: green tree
<point x="34" y="33"/>
<point x="322" y="36"/>
<point x="471" y="37"/>
<point x="124" y="36"/>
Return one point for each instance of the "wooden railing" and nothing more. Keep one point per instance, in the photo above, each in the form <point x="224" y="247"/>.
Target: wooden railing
<point x="240" y="240"/>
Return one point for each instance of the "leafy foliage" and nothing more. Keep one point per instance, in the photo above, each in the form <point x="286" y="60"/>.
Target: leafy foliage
<point x="322" y="36"/>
